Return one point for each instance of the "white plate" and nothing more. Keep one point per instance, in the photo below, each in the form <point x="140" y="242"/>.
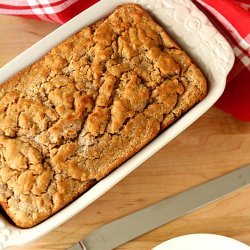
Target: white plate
<point x="202" y="242"/>
<point x="192" y="31"/>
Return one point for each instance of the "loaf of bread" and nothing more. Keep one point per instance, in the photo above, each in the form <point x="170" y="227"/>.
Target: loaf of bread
<point x="87" y="106"/>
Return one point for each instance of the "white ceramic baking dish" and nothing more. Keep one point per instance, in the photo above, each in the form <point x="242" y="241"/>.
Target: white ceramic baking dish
<point x="192" y="30"/>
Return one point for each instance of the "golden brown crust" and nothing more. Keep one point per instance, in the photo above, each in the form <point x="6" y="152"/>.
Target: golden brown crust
<point x="86" y="107"/>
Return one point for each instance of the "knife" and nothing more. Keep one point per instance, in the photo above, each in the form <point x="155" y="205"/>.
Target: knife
<point x="122" y="230"/>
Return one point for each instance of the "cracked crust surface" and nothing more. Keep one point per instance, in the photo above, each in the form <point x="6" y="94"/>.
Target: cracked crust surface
<point x="87" y="106"/>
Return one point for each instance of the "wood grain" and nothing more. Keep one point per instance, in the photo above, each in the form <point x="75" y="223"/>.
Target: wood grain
<point x="214" y="145"/>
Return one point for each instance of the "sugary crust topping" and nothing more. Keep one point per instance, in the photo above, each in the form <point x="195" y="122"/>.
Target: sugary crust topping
<point x="84" y="108"/>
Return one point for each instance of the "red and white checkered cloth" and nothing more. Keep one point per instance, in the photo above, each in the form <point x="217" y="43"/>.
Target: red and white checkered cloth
<point x="59" y="11"/>
<point x="231" y="17"/>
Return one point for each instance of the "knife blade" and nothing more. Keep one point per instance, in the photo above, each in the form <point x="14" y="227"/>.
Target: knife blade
<point x="120" y="231"/>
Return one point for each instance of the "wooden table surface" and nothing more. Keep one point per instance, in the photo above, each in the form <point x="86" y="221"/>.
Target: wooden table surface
<point x="214" y="145"/>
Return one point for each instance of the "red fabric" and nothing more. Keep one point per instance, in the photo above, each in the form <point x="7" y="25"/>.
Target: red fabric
<point x="233" y="13"/>
<point x="75" y="9"/>
<point x="231" y="17"/>
<point x="233" y="101"/>
<point x="59" y="11"/>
